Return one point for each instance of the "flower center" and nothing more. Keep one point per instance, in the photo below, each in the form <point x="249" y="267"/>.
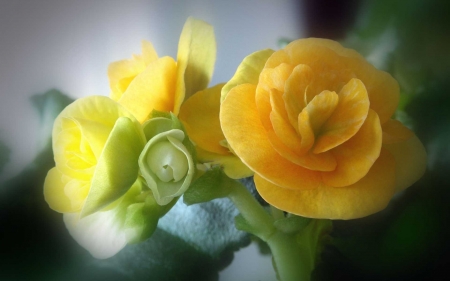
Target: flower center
<point x="167" y="162"/>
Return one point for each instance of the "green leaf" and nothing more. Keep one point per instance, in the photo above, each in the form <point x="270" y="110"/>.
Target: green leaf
<point x="117" y="168"/>
<point x="211" y="185"/>
<point x="292" y="224"/>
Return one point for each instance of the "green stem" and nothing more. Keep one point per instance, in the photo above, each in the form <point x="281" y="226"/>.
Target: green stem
<point x="252" y="211"/>
<point x="290" y="261"/>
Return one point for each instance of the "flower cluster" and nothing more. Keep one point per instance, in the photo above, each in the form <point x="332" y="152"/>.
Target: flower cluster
<point x="312" y="123"/>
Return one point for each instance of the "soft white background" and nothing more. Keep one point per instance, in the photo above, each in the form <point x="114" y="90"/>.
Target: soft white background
<point x="67" y="45"/>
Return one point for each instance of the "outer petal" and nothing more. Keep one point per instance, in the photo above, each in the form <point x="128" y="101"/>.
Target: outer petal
<point x="195" y="59"/>
<point x="394" y="131"/>
<point x="102" y="233"/>
<point x="54" y="193"/>
<point x="411" y="161"/>
<point x="153" y="88"/>
<point x="247" y="137"/>
<point x="356" y="156"/>
<point x="370" y="194"/>
<point x="248" y="71"/>
<point x="200" y="116"/>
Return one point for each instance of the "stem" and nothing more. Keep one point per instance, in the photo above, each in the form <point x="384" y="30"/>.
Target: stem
<point x="290" y="262"/>
<point x="252" y="211"/>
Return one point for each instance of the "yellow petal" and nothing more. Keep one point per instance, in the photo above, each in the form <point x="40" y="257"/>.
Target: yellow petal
<point x="248" y="139"/>
<point x="287" y="143"/>
<point x="54" y="193"/>
<point x="394" y="131"/>
<point x="148" y="52"/>
<point x="369" y="195"/>
<point x="347" y="118"/>
<point x="77" y="191"/>
<point x="283" y="130"/>
<point x="152" y="89"/>
<point x="195" y="59"/>
<point x="232" y="165"/>
<point x="269" y="79"/>
<point x="411" y="161"/>
<point x="121" y="73"/>
<point x="356" y="156"/>
<point x="200" y="116"/>
<point x="248" y="71"/>
<point x="295" y="92"/>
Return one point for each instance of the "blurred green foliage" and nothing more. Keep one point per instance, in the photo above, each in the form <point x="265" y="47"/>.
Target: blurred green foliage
<point x="409" y="239"/>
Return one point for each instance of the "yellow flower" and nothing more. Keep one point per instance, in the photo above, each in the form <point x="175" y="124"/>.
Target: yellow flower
<point x="96" y="146"/>
<point x="313" y="121"/>
<point x="147" y="82"/>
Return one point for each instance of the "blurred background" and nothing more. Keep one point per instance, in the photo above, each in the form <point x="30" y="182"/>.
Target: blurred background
<point x="52" y="52"/>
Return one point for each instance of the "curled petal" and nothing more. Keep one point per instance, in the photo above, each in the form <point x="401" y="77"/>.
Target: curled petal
<point x="356" y="156"/>
<point x="346" y="119"/>
<point x="270" y="79"/>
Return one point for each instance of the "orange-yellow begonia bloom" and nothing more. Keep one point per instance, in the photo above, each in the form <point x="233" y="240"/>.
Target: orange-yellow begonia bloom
<point x="147" y="82"/>
<point x="314" y="123"/>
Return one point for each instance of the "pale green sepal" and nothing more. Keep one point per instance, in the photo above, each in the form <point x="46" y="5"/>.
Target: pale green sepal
<point x="211" y="185"/>
<point x="156" y="126"/>
<point x="165" y="188"/>
<point x="117" y="168"/>
<point x="141" y="219"/>
<point x="248" y="71"/>
<point x="292" y="224"/>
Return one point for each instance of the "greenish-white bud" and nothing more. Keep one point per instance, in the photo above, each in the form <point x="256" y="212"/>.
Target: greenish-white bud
<point x="165" y="163"/>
